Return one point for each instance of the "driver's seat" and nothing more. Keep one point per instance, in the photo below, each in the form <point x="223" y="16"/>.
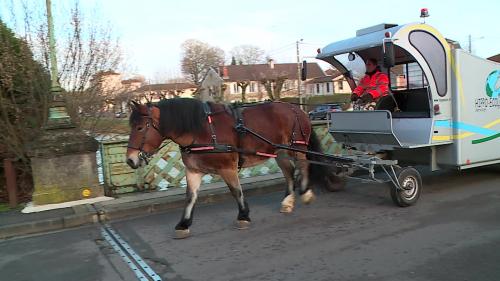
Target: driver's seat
<point x="386" y="103"/>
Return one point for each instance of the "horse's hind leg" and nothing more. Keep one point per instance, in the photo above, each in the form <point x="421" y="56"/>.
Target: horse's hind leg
<point x="193" y="184"/>
<point x="306" y="194"/>
<point x="230" y="176"/>
<point x="288" y="169"/>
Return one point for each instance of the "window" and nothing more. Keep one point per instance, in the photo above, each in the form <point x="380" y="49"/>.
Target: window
<point x="435" y="56"/>
<point x="235" y="88"/>
<point x="252" y="87"/>
<point x="327" y="87"/>
<point x="317" y="88"/>
<point x="407" y="76"/>
<point x="341" y="85"/>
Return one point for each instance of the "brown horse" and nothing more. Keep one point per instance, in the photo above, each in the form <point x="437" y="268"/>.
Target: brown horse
<point x="213" y="139"/>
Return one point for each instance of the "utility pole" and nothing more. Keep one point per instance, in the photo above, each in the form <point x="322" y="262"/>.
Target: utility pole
<point x="471" y="39"/>
<point x="298" y="73"/>
<point x="470" y="43"/>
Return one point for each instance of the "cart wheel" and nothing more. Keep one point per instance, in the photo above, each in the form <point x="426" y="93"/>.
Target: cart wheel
<point x="411" y="183"/>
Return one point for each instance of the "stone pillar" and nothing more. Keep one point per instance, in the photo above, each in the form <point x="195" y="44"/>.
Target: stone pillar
<point x="64" y="167"/>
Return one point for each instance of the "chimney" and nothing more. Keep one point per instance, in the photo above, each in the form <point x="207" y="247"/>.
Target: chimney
<point x="225" y="73"/>
<point x="271" y="63"/>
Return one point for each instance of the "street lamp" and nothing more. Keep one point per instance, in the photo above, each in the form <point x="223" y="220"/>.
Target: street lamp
<point x="58" y="114"/>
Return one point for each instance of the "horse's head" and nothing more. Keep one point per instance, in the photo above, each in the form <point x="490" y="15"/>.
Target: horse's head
<point x="145" y="135"/>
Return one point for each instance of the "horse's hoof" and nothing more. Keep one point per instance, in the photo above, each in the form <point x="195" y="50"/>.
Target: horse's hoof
<point x="242" y="224"/>
<point x="308" y="197"/>
<point x="182" y="233"/>
<point x="286" y="209"/>
<point x="287" y="204"/>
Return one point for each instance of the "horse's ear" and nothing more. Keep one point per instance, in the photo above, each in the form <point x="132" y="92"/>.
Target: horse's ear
<point x="133" y="105"/>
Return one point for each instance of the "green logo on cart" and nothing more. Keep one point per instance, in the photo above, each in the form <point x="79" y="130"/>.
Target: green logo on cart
<point x="493" y="84"/>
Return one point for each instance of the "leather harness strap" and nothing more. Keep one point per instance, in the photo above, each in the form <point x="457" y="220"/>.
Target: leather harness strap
<point x="239" y="125"/>
<point x="237" y="112"/>
<point x="208" y="114"/>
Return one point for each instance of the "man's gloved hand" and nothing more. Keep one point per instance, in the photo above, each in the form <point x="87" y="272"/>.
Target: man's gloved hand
<point x="354" y="97"/>
<point x="366" y="98"/>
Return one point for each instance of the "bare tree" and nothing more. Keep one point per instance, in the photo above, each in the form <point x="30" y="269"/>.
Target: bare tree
<point x="85" y="50"/>
<point x="273" y="86"/>
<point x="243" y="85"/>
<point x="248" y="54"/>
<point x="198" y="57"/>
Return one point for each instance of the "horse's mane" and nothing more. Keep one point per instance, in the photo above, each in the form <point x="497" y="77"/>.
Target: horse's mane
<point x="178" y="116"/>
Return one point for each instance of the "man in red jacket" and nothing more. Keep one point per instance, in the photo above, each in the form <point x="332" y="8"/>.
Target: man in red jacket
<point x="374" y="85"/>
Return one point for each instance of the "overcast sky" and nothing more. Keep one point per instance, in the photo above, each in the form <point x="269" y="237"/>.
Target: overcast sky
<point x="151" y="31"/>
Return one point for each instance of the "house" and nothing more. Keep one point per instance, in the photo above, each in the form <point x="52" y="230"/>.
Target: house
<point x="132" y="84"/>
<point x="331" y="83"/>
<point x="495" y="58"/>
<point x="157" y="92"/>
<point x="211" y="87"/>
<point x="110" y="86"/>
<point x="107" y="82"/>
<point x="253" y="78"/>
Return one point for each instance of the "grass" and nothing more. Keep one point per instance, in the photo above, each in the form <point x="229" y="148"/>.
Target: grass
<point x="315" y="100"/>
<point x="4" y="207"/>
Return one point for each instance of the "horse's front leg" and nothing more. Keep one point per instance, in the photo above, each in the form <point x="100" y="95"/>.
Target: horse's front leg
<point x="288" y="169"/>
<point x="193" y="184"/>
<point x="306" y="194"/>
<point x="230" y="176"/>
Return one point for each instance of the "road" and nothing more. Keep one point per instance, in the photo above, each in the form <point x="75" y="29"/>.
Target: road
<point x="453" y="233"/>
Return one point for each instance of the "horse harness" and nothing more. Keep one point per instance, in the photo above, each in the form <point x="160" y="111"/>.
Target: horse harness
<point x="145" y="156"/>
<point x="242" y="130"/>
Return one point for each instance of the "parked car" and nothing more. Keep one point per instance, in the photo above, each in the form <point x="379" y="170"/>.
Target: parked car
<point x="322" y="111"/>
<point x="120" y="115"/>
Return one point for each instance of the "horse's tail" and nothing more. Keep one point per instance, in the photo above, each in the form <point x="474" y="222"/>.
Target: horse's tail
<point x="322" y="175"/>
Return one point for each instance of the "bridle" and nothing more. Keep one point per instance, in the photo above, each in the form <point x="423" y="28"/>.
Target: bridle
<point x="149" y="124"/>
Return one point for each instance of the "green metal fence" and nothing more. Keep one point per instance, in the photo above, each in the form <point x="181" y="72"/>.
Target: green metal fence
<point x="166" y="169"/>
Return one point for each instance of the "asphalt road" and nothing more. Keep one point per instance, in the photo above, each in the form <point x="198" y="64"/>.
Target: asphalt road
<point x="453" y="233"/>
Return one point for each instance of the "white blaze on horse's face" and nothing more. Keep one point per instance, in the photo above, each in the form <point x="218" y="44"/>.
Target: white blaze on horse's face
<point x="133" y="159"/>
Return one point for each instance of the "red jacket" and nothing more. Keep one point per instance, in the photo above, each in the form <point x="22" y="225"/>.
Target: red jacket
<point x="377" y="85"/>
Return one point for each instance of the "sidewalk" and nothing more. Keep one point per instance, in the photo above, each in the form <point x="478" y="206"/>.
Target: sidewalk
<point x="15" y="223"/>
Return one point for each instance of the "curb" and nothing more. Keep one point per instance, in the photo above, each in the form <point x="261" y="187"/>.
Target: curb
<point x="156" y="205"/>
<point x="94" y="213"/>
<point x="45" y="225"/>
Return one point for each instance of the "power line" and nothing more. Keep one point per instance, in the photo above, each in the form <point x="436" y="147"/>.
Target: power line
<point x="281" y="49"/>
<point x="312" y="44"/>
